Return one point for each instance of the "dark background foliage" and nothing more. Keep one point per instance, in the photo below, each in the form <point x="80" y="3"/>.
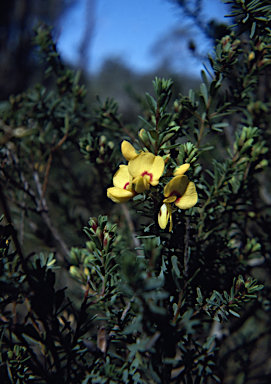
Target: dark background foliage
<point x="133" y="303"/>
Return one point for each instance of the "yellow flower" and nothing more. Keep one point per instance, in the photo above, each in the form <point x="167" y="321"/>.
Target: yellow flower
<point x="146" y="169"/>
<point x="122" y="190"/>
<point x="180" y="191"/>
<point x="128" y="151"/>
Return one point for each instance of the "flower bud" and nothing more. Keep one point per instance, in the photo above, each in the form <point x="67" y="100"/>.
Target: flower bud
<point x="99" y="160"/>
<point x="262" y="164"/>
<point x="73" y="257"/>
<point x="163" y="216"/>
<point x="74" y="271"/>
<point x="93" y="223"/>
<point x="251" y="56"/>
<point x="106" y="241"/>
<point x="102" y="140"/>
<point x="145" y="138"/>
<point x="91" y="246"/>
<point x="99" y="234"/>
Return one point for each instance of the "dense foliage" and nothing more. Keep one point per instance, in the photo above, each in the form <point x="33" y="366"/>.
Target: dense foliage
<point x="169" y="280"/>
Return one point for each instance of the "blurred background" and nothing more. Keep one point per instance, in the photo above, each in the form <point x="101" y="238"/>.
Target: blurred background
<point x="118" y="45"/>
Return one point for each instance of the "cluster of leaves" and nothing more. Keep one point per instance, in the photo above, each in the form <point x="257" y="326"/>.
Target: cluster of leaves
<point x="46" y="338"/>
<point x="149" y="299"/>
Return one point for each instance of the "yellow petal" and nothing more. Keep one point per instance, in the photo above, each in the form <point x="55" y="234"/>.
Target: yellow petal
<point x="119" y="195"/>
<point x="189" y="199"/>
<point x="177" y="186"/>
<point x="122" y="178"/>
<point x="163" y="216"/>
<point x="128" y="151"/>
<point x="181" y="169"/>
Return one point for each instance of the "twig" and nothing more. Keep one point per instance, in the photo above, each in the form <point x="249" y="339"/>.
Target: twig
<point x="9" y="220"/>
<point x="131" y="227"/>
<point x="49" y="162"/>
<point x="186" y="266"/>
<point x="22" y="219"/>
<point x="186" y="246"/>
<point x="46" y="218"/>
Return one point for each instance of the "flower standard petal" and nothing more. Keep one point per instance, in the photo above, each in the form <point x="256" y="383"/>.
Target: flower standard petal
<point x="147" y="166"/>
<point x="119" y="195"/>
<point x="128" y="151"/>
<point x="177" y="186"/>
<point x="141" y="164"/>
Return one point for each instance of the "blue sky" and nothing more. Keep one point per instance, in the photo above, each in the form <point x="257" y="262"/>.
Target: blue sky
<point x="129" y="29"/>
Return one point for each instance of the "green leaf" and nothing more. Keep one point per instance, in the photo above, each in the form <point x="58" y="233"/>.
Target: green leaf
<point x="253" y="29"/>
<point x="174" y="261"/>
<point x="234" y="313"/>
<point x="146" y="122"/>
<point x="152" y="103"/>
<point x="204" y="94"/>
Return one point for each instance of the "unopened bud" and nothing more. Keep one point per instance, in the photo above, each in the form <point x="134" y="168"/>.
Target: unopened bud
<point x="99" y="234"/>
<point x="99" y="160"/>
<point x="262" y="164"/>
<point x="235" y="44"/>
<point x="106" y="241"/>
<point x="102" y="140"/>
<point x="73" y="256"/>
<point x="145" y="138"/>
<point x="251" y="56"/>
<point x="74" y="271"/>
<point x="91" y="246"/>
<point x="93" y="223"/>
<point x="261" y="46"/>
<point x="166" y="158"/>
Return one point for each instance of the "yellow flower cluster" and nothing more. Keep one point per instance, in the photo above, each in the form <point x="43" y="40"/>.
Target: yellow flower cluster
<point x="145" y="169"/>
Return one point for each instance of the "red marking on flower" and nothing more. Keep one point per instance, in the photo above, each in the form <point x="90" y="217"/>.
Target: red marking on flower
<point x="126" y="185"/>
<point x="148" y="174"/>
<point x="175" y="193"/>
